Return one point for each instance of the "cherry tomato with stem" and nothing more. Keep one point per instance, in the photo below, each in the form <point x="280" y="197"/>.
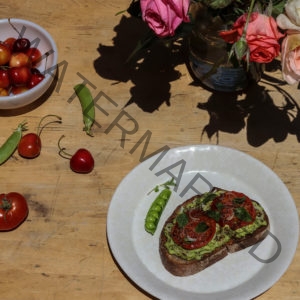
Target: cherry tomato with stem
<point x="13" y="210"/>
<point x="30" y="144"/>
<point x="80" y="162"/>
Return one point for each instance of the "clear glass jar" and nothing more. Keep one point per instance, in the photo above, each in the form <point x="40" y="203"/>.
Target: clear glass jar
<point x="208" y="58"/>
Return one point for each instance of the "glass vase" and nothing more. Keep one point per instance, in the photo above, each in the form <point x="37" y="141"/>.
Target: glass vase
<point x="208" y="59"/>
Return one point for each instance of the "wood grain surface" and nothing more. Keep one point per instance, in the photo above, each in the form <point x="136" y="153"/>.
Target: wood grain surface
<point x="61" y="251"/>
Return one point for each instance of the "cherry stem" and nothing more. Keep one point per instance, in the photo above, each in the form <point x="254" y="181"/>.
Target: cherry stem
<point x="47" y="54"/>
<point x="40" y="129"/>
<point x="14" y="27"/>
<point x="62" y="151"/>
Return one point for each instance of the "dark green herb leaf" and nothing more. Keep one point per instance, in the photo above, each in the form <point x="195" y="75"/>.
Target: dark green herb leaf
<point x="220" y="205"/>
<point x="242" y="214"/>
<point x="214" y="215"/>
<point x="182" y="220"/>
<point x="209" y="197"/>
<point x="201" y="227"/>
<point x="239" y="200"/>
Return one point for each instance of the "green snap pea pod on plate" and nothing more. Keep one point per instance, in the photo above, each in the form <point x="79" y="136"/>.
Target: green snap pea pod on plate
<point x="156" y="209"/>
<point x="11" y="144"/>
<point x="158" y="205"/>
<point x="87" y="105"/>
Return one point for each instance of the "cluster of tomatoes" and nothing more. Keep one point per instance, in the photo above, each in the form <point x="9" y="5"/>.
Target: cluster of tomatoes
<point x="19" y="62"/>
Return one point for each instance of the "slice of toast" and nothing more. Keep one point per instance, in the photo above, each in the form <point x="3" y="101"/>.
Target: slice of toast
<point x="183" y="262"/>
<point x="239" y="243"/>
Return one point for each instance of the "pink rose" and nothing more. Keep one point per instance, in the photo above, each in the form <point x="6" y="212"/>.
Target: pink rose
<point x="262" y="36"/>
<point x="164" y="16"/>
<point x="291" y="57"/>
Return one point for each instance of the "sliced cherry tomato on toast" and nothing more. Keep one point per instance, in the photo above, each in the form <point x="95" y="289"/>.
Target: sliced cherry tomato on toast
<point x="13" y="210"/>
<point x="197" y="233"/>
<point x="234" y="209"/>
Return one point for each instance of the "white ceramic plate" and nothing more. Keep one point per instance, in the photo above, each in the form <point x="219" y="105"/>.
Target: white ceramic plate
<point x="242" y="275"/>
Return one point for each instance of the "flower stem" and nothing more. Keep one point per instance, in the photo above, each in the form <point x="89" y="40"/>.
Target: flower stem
<point x="248" y="17"/>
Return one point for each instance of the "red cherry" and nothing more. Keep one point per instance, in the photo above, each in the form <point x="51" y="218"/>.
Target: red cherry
<point x="82" y="161"/>
<point x="19" y="59"/>
<point x="35" y="79"/>
<point x="30" y="145"/>
<point x="9" y="42"/>
<point x="5" y="54"/>
<point x="35" y="56"/>
<point x="4" y="79"/>
<point x="19" y="76"/>
<point x="16" y="90"/>
<point x="21" y="45"/>
<point x="3" y="92"/>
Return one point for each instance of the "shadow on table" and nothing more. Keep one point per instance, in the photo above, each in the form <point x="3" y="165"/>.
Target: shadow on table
<point x="263" y="119"/>
<point x="151" y="81"/>
<point x="152" y="70"/>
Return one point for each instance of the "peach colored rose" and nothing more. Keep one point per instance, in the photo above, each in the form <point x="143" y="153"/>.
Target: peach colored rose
<point x="262" y="36"/>
<point x="290" y="60"/>
<point x="164" y="16"/>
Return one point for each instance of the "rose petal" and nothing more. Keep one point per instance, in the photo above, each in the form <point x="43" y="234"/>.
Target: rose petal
<point x="292" y="9"/>
<point x="285" y="23"/>
<point x="291" y="59"/>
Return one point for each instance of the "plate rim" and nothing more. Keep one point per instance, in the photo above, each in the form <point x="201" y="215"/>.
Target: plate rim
<point x="202" y="147"/>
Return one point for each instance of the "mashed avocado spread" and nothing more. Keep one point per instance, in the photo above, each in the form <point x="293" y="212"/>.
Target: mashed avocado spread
<point x="222" y="235"/>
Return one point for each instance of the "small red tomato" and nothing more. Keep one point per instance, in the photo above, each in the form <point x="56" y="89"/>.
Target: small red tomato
<point x="4" y="79"/>
<point x="13" y="210"/>
<point x="30" y="145"/>
<point x="82" y="161"/>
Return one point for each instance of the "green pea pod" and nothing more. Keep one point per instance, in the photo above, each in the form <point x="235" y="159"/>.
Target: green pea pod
<point x="156" y="209"/>
<point x="87" y="106"/>
<point x="11" y="144"/>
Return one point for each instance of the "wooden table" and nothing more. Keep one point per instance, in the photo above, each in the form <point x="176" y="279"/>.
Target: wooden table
<point x="61" y="251"/>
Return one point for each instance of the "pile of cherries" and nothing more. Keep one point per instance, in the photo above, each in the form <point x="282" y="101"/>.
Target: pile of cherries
<point x="19" y="63"/>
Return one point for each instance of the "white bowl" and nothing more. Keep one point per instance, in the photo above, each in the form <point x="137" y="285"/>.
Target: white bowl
<point x="41" y="39"/>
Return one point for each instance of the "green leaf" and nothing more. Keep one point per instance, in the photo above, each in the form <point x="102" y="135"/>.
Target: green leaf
<point x="242" y="214"/>
<point x="217" y="4"/>
<point x="239" y="200"/>
<point x="201" y="227"/>
<point x="209" y="197"/>
<point x="214" y="215"/>
<point x="220" y="205"/>
<point x="182" y="219"/>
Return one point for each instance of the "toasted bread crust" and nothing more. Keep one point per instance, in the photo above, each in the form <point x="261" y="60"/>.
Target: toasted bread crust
<point x="181" y="267"/>
<point x="258" y="235"/>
